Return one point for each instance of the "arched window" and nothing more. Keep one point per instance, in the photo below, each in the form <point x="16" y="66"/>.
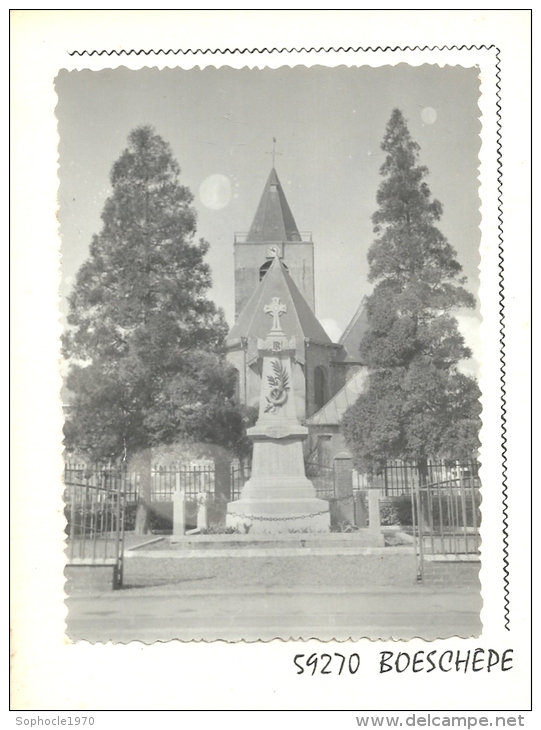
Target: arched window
<point x="266" y="266"/>
<point x="320" y="387"/>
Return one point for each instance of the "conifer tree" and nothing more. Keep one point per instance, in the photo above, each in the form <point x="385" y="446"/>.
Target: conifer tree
<point x="144" y="342"/>
<point x="417" y="404"/>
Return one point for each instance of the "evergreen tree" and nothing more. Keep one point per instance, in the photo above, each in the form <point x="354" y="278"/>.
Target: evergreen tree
<point x="417" y="404"/>
<point x="144" y="343"/>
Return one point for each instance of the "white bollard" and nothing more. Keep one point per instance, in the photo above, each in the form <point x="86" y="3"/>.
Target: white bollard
<point x="373" y="511"/>
<point x="179" y="513"/>
<point x="202" y="511"/>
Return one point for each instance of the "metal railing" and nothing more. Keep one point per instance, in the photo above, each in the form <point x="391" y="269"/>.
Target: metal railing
<point x="165" y="481"/>
<point x="322" y="477"/>
<point x="304" y="237"/>
<point x="95" y="516"/>
<point x="446" y="518"/>
<point x="399" y="477"/>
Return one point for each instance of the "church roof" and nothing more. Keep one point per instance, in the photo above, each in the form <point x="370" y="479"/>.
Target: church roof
<point x="332" y="412"/>
<point x="298" y="320"/>
<point x="273" y="219"/>
<point x="353" y="334"/>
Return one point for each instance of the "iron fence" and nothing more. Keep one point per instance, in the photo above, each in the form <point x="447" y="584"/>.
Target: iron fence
<point x="165" y="480"/>
<point x="398" y="478"/>
<point x="239" y="476"/>
<point x="361" y="481"/>
<point x="322" y="477"/>
<point x="447" y="516"/>
<point x="94" y="507"/>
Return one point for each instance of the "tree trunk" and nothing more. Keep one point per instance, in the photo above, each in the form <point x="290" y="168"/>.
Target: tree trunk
<point x="422" y="468"/>
<point x="222" y="471"/>
<point x="142" y="517"/>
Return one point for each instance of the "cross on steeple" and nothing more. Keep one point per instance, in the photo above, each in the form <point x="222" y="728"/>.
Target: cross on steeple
<point x="273" y="153"/>
<point x="275" y="309"/>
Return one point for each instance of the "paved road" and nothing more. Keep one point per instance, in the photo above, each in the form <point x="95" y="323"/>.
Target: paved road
<point x="256" y="613"/>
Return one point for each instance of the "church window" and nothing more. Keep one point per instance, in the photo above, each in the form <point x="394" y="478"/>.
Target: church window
<point x="320" y="387"/>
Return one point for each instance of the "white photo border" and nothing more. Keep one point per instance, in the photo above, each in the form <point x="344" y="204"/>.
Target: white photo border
<point x="84" y="672"/>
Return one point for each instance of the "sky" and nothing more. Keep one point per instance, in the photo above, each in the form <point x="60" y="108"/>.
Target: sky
<point x="328" y="123"/>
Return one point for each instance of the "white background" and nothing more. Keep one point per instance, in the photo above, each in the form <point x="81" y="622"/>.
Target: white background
<point x="49" y="673"/>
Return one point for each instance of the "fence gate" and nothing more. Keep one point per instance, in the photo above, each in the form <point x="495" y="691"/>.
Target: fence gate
<point x="446" y="517"/>
<point x="95" y="504"/>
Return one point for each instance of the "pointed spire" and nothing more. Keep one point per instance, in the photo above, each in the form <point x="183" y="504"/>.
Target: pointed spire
<point x="273" y="220"/>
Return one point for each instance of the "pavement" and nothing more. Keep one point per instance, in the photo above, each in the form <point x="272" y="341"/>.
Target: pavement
<point x="256" y="613"/>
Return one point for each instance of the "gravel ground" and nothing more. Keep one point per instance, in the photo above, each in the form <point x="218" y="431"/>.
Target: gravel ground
<point x="288" y="572"/>
<point x="78" y="548"/>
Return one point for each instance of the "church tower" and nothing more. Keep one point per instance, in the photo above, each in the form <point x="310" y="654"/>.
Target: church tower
<point x="273" y="230"/>
<point x="274" y="259"/>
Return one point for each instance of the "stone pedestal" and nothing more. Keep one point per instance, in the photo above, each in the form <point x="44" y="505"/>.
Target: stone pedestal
<point x="278" y="498"/>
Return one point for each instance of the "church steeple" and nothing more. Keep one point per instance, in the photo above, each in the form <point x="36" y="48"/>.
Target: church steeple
<point x="273" y="220"/>
<point x="273" y="230"/>
<point x="274" y="262"/>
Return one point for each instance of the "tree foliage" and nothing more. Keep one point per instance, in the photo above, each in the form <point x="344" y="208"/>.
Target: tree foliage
<point x="417" y="404"/>
<point x="144" y="342"/>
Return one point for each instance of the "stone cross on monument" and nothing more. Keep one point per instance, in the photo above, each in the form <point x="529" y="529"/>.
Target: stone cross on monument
<point x="275" y="309"/>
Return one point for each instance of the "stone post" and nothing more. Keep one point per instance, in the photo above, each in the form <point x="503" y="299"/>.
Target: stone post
<point x="343" y="488"/>
<point x="202" y="511"/>
<point x="373" y="511"/>
<point x="179" y="513"/>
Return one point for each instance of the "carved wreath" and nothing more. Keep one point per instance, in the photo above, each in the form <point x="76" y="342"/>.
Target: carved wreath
<point x="279" y="387"/>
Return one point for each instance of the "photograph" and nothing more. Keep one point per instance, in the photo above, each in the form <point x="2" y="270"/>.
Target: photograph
<point x="271" y="368"/>
<point x="271" y="352"/>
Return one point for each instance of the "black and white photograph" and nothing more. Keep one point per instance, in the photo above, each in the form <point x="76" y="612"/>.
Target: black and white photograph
<point x="279" y="358"/>
<point x="272" y="409"/>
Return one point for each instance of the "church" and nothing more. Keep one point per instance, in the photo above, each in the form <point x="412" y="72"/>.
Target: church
<point x="275" y="259"/>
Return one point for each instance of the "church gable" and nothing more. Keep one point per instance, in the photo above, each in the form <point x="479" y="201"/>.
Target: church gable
<point x="298" y="320"/>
